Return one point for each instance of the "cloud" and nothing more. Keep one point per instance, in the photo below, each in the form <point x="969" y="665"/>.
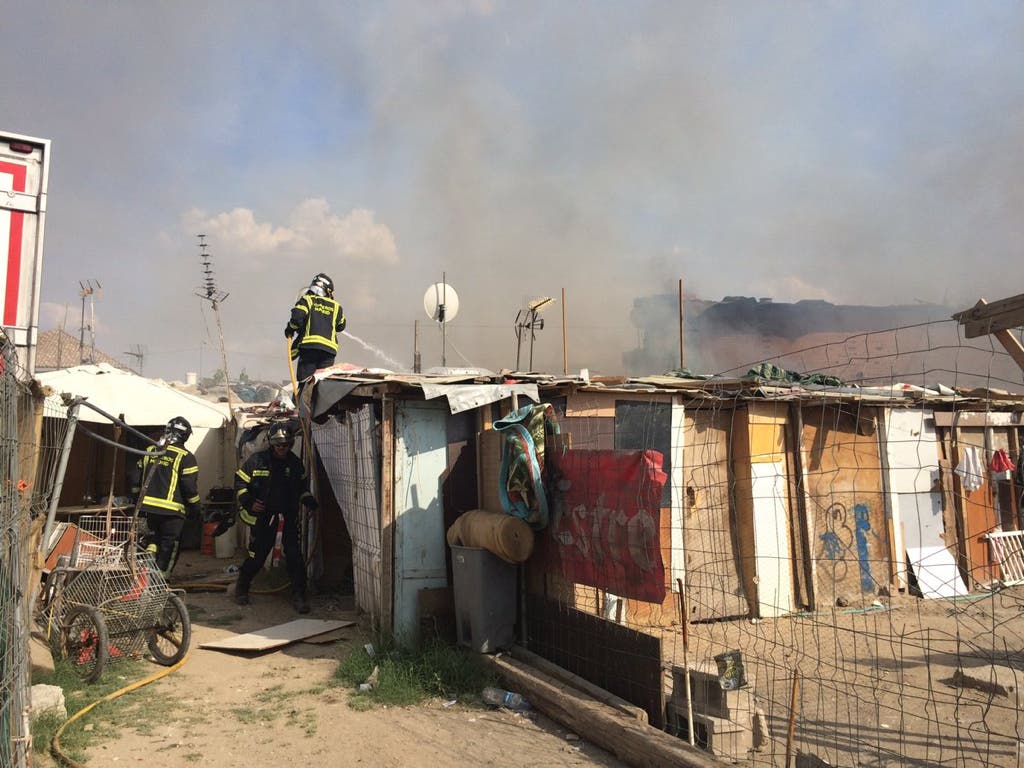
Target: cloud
<point x="311" y="229"/>
<point x="238" y="231"/>
<point x="356" y="235"/>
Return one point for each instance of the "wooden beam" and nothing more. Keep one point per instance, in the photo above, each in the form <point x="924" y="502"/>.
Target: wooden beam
<point x="387" y="513"/>
<point x="1011" y="345"/>
<point x="985" y="318"/>
<point x="555" y="671"/>
<point x="633" y="742"/>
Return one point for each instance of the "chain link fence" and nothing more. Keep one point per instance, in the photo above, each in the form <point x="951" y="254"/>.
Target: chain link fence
<point x="31" y="439"/>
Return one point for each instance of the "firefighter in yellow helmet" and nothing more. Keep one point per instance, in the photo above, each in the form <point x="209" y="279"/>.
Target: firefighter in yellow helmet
<point x="316" y="320"/>
<point x="269" y="487"/>
<point x="171" y="493"/>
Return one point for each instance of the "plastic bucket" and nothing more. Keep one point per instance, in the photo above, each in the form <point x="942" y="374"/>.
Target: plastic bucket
<point x="206" y="546"/>
<point x="224" y="545"/>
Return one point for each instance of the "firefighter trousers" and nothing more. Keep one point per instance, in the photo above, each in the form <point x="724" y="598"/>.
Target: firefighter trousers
<point x="261" y="542"/>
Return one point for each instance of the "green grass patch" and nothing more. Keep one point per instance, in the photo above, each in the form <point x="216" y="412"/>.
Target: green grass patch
<point x="142" y="709"/>
<point x="408" y="676"/>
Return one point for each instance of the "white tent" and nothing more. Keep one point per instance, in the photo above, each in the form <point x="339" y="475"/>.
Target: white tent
<point x="142" y="401"/>
<point x="146" y="403"/>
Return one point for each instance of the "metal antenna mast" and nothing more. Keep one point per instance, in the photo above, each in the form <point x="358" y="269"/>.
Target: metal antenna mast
<point x="138" y="352"/>
<point x="89" y="288"/>
<point x="209" y="292"/>
<point x="527" y="319"/>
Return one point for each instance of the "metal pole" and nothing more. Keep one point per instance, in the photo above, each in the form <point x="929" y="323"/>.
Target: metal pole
<point x="684" y="621"/>
<point x="791" y="730"/>
<point x="62" y="466"/>
<point x="416" y="363"/>
<point x="444" y="321"/>
<point x="565" y="357"/>
<point x="533" y="334"/>
<point x="682" y="354"/>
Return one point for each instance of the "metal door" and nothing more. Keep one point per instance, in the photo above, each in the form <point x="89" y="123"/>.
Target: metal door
<point x="421" y="458"/>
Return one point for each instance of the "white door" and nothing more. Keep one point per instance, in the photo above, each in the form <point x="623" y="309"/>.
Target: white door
<point x="912" y="461"/>
<point x="771" y="539"/>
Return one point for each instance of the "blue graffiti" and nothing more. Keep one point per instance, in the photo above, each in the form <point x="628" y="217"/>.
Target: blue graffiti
<point x="833" y="546"/>
<point x="860" y="515"/>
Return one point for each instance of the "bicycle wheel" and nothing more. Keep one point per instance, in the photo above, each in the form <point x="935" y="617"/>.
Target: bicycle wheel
<point x="86" y="644"/>
<point x="168" y="641"/>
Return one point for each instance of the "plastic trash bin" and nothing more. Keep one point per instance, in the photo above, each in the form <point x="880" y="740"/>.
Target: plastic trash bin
<point x="485" y="599"/>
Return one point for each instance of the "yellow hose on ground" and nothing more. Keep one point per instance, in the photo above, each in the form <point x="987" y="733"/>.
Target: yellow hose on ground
<point x="55" y="743"/>
<point x="220" y="587"/>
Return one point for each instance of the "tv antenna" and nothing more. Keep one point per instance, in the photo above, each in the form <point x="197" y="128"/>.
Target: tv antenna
<point x="89" y="289"/>
<point x="138" y="353"/>
<point x="528" y="319"/>
<point x="441" y="304"/>
<point x="209" y="292"/>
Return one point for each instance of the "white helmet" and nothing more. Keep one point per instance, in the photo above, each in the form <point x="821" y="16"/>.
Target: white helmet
<point x="322" y="285"/>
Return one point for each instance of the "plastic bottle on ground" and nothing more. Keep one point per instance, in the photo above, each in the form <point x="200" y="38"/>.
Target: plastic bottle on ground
<point x="497" y="697"/>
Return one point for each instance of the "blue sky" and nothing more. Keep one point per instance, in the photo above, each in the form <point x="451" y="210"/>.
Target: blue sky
<point x="865" y="153"/>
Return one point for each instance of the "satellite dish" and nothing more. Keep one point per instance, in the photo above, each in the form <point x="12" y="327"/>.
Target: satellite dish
<point x="441" y="303"/>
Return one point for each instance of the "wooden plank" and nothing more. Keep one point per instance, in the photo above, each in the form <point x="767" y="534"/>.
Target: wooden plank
<point x="623" y="661"/>
<point x="600" y="694"/>
<point x="984" y="317"/>
<point x="804" y="506"/>
<point x="1011" y="345"/>
<point x="276" y="636"/>
<point x="633" y="742"/>
<point x="971" y="419"/>
<point x="387" y="513"/>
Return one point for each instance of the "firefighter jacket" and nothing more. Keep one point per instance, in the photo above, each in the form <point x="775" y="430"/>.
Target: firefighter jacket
<point x="281" y="484"/>
<point x="173" y="487"/>
<point x="316" y="322"/>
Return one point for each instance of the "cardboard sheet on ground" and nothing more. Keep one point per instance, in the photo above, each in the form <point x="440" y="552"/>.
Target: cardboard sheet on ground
<point x="276" y="636"/>
<point x="328" y="637"/>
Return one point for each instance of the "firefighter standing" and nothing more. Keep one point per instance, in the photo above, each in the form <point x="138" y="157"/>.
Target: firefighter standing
<point x="315" y="323"/>
<point x="269" y="486"/>
<point x="171" y="493"/>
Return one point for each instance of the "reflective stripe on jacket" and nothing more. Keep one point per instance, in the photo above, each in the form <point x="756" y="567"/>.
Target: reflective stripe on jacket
<point x="316" y="322"/>
<point x="253" y="483"/>
<point x="174" y="484"/>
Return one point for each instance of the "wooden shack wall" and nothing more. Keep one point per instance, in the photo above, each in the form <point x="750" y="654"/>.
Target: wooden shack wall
<point x="714" y="588"/>
<point x="849" y="530"/>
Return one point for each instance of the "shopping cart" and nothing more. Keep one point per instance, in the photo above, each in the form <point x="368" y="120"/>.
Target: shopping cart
<point x="107" y="599"/>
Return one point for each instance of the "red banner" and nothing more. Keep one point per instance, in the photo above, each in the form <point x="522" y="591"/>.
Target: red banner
<point x="606" y="520"/>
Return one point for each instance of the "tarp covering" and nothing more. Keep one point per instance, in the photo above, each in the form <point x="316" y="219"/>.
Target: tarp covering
<point x="144" y="402"/>
<point x="606" y="520"/>
<point x="463" y="397"/>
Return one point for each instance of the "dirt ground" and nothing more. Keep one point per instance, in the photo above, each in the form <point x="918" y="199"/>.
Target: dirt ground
<point x="878" y="685"/>
<point x="235" y="710"/>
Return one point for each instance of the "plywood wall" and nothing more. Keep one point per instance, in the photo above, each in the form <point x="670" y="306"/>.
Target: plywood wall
<point x="849" y="531"/>
<point x="713" y="584"/>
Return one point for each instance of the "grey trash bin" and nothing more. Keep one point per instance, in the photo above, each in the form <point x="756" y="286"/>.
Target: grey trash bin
<point x="485" y="599"/>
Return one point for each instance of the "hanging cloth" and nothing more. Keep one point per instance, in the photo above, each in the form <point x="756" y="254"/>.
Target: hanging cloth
<point x="970" y="468"/>
<point x="1001" y="462"/>
<point x="521" y="485"/>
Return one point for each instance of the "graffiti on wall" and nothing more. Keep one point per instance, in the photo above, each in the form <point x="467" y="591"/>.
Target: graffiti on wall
<point x="843" y="535"/>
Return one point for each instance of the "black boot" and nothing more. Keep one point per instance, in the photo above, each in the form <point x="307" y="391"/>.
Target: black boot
<point x="300" y="602"/>
<point x="242" y="589"/>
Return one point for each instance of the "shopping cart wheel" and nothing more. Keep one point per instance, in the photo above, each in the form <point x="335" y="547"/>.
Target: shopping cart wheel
<point x="86" y="644"/>
<point x="168" y="640"/>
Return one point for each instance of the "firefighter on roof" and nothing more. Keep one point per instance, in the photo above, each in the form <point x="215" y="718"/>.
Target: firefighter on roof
<point x="270" y="486"/>
<point x="171" y="493"/>
<point x="316" y="321"/>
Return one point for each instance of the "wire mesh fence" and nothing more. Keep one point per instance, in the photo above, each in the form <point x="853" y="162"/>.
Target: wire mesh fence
<point x="833" y="574"/>
<point x="31" y="437"/>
